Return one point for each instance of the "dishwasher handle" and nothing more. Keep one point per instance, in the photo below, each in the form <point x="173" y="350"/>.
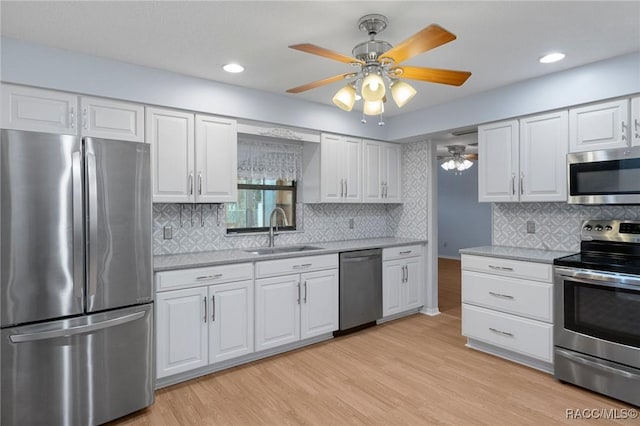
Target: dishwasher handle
<point x="361" y="255"/>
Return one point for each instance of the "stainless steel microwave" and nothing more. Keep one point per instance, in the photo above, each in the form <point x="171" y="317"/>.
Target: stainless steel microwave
<point x="604" y="177"/>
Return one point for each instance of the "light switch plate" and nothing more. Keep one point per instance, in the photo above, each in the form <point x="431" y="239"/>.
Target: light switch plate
<point x="531" y="227"/>
<point x="167" y="232"/>
<point x="351" y="224"/>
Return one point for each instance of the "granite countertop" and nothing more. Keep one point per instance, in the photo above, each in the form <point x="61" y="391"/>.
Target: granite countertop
<point x="517" y="253"/>
<point x="169" y="262"/>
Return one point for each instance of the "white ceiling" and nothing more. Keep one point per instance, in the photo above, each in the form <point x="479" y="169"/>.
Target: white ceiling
<point x="499" y="42"/>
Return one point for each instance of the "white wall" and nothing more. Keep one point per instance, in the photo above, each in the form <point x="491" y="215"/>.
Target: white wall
<point x="462" y="221"/>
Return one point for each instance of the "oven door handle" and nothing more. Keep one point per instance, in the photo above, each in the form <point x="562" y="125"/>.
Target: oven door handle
<point x="618" y="370"/>
<point x="600" y="278"/>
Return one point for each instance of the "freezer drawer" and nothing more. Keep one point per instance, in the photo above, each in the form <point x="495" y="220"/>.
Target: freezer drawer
<point x="80" y="371"/>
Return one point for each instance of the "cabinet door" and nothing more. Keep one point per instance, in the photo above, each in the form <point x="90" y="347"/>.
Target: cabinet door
<point x="352" y="169"/>
<point x="498" y="161"/>
<point x="104" y="118"/>
<point x="412" y="288"/>
<point x="392" y="281"/>
<point x="331" y="177"/>
<point x="635" y="121"/>
<point x="170" y="134"/>
<point x="319" y="305"/>
<point x="277" y="311"/>
<point x="216" y="160"/>
<point x="392" y="172"/>
<point x="181" y="331"/>
<point x="600" y="126"/>
<point x="544" y="141"/>
<point x="231" y="320"/>
<point x="372" y="171"/>
<point x="37" y="110"/>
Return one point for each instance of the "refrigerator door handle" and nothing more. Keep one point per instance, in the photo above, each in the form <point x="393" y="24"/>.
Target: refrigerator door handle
<point x="93" y="225"/>
<point x="78" y="256"/>
<point x="72" y="331"/>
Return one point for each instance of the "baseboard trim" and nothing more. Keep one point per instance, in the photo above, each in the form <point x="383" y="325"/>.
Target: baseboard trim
<point x="528" y="361"/>
<point x="449" y="257"/>
<point x="398" y="315"/>
<point x="432" y="312"/>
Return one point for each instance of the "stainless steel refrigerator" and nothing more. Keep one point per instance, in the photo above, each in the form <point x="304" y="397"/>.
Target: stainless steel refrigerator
<point x="76" y="279"/>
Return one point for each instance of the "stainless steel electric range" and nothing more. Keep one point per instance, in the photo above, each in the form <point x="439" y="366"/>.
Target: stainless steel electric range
<point x="597" y="311"/>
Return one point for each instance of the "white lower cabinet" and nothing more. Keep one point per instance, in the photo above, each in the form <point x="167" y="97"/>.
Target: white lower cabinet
<point x="296" y="306"/>
<point x="203" y="325"/>
<point x="507" y="309"/>
<point x="402" y="282"/>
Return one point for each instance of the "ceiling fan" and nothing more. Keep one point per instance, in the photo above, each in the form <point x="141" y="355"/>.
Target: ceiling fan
<point x="456" y="159"/>
<point x="379" y="63"/>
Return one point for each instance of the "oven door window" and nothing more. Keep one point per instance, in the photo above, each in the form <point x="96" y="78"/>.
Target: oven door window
<point x="608" y="313"/>
<point x="616" y="177"/>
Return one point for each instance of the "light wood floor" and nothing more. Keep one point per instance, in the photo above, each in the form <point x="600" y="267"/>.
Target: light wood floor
<point x="412" y="371"/>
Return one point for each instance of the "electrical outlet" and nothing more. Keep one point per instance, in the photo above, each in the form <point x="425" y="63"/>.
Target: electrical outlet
<point x="531" y="227"/>
<point x="167" y="232"/>
<point x="351" y="224"/>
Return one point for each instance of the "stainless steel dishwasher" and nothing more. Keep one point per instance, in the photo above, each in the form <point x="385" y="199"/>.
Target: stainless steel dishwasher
<point x="360" y="289"/>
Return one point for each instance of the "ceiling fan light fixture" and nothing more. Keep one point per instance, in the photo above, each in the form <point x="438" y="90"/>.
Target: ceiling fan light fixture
<point x="373" y="107"/>
<point x="373" y="87"/>
<point x="402" y="93"/>
<point x="345" y="98"/>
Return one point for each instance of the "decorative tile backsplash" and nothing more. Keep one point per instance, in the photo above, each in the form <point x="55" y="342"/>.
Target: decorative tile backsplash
<point x="317" y="222"/>
<point x="557" y="224"/>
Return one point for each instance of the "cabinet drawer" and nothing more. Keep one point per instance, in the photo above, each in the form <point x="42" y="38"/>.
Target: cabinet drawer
<point x="526" y="298"/>
<point x="185" y="278"/>
<point x="400" y="252"/>
<point x="512" y="268"/>
<point x="528" y="337"/>
<point x="270" y="268"/>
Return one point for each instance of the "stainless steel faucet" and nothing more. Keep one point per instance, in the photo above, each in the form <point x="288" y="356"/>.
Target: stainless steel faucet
<point x="272" y="235"/>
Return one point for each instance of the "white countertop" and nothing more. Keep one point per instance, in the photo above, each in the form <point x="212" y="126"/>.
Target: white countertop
<point x="517" y="253"/>
<point x="219" y="257"/>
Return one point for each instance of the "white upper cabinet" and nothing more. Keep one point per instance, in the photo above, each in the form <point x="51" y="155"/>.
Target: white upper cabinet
<point x="194" y="157"/>
<point x="340" y="169"/>
<point x="635" y="121"/>
<point x="216" y="159"/>
<point x="524" y="160"/>
<point x="382" y="173"/>
<point x="171" y="136"/>
<point x="601" y="126"/>
<point x="543" y="157"/>
<point x="104" y="118"/>
<point x="498" y="151"/>
<point x="38" y="110"/>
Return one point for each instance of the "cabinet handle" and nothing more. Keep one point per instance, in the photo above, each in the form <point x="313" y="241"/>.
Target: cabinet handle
<point x="209" y="277"/>
<point x="386" y="190"/>
<point x="502" y="333"/>
<point x="190" y="183"/>
<point x="501" y="268"/>
<point x="213" y="308"/>
<point x="72" y="115"/>
<point x="298" y="293"/>
<point x="346" y="190"/>
<point x="406" y="268"/>
<point x="505" y="296"/>
<point x="305" y="292"/>
<point x="205" y="309"/>
<point x="624" y="131"/>
<point x="406" y="252"/>
<point x="381" y="189"/>
<point x="84" y="118"/>
<point x="403" y="273"/>
<point x="304" y="265"/>
<point x="636" y="125"/>
<point x="521" y="183"/>
<point x="199" y="183"/>
<point x="341" y="188"/>
<point x="513" y="184"/>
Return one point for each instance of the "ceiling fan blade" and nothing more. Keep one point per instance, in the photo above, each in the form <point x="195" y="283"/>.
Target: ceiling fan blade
<point x="321" y="51"/>
<point x="471" y="157"/>
<point x="433" y="75"/>
<point x="319" y="83"/>
<point x="422" y="41"/>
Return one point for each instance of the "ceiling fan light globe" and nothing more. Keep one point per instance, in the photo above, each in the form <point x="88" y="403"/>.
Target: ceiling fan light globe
<point x="373" y="88"/>
<point x="345" y="98"/>
<point x="467" y="164"/>
<point x="373" y="107"/>
<point x="402" y="93"/>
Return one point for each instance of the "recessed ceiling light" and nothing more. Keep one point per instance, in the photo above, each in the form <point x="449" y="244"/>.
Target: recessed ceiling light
<point x="552" y="57"/>
<point x="234" y="68"/>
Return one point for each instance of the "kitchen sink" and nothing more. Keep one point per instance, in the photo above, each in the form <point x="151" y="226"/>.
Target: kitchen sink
<point x="276" y="250"/>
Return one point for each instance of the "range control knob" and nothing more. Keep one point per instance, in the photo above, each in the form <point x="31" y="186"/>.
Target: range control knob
<point x="598" y="228"/>
<point x="587" y="228"/>
<point x="608" y="228"/>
